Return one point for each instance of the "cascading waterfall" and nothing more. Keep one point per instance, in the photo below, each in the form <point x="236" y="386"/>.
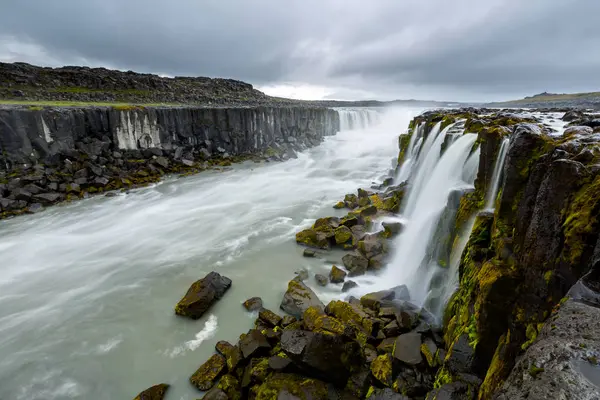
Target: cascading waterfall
<point x="351" y="119"/>
<point x="414" y="145"/>
<point x="493" y="189"/>
<point x="435" y="176"/>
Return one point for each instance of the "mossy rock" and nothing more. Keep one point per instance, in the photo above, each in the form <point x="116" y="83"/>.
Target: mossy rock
<point x="343" y="235"/>
<point x="317" y="321"/>
<point x="339" y="205"/>
<point x="312" y="238"/>
<point x="290" y="384"/>
<point x="382" y="369"/>
<point x="208" y="373"/>
<point x="349" y="313"/>
<point x="156" y="392"/>
<point x="337" y="275"/>
<point x="231" y="386"/>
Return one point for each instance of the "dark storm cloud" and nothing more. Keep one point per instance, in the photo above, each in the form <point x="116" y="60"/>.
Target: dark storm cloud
<point x="390" y="48"/>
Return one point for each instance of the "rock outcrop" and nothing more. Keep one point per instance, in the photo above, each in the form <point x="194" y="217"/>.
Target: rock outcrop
<point x="50" y="154"/>
<point x="522" y="258"/>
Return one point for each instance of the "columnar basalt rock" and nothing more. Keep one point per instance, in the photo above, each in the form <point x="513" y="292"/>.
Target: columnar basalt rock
<point x="68" y="153"/>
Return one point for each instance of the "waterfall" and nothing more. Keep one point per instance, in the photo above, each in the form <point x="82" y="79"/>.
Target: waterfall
<point x="414" y="145"/>
<point x="493" y="189"/>
<point x="436" y="175"/>
<point x="358" y="118"/>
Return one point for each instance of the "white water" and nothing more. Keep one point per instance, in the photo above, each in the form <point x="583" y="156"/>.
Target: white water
<point x="490" y="199"/>
<point x="351" y="119"/>
<point x="414" y="146"/>
<point x="87" y="290"/>
<point x="434" y="177"/>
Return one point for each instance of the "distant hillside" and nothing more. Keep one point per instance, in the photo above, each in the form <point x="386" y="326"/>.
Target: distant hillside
<point x="22" y="83"/>
<point x="549" y="100"/>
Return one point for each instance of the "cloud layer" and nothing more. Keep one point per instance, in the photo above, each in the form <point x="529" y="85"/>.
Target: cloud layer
<point x="448" y="50"/>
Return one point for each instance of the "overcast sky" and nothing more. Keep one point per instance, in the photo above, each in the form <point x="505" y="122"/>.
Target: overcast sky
<point x="345" y="49"/>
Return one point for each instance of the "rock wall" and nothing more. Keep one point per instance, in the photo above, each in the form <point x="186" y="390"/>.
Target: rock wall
<point x="51" y="154"/>
<point x="521" y="259"/>
<point x="29" y="135"/>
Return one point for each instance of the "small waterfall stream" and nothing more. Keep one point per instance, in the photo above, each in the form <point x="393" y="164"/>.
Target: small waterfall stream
<point x="493" y="188"/>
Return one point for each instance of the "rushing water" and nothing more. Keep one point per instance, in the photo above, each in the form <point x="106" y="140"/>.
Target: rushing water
<point x="351" y="119"/>
<point x="87" y="290"/>
<point x="499" y="165"/>
<point x="433" y="173"/>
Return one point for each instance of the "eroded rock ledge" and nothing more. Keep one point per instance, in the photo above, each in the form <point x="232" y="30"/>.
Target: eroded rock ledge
<point x="48" y="155"/>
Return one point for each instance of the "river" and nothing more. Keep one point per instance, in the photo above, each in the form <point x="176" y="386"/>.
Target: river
<point x="87" y="289"/>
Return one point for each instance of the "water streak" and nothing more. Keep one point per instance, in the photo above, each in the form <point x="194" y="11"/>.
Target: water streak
<point x="493" y="188"/>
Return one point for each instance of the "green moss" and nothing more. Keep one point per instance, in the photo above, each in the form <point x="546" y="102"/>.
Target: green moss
<point x="301" y="387"/>
<point x="581" y="220"/>
<point x="531" y="334"/>
<point x="442" y="377"/>
<point x="343" y="235"/>
<point x="534" y="371"/>
<point x="403" y="142"/>
<point x="381" y="368"/>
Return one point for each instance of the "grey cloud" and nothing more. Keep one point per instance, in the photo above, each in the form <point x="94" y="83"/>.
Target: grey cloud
<point x="392" y="49"/>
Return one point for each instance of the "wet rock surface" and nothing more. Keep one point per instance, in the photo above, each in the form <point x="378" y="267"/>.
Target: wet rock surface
<point x="202" y="294"/>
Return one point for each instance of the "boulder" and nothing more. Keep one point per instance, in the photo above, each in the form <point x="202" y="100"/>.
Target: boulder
<point x="254" y="344"/>
<point x="309" y="253"/>
<point x="392" y="229"/>
<point x="290" y="386"/>
<point x="572" y="115"/>
<point x="453" y="391"/>
<point x="322" y="356"/>
<point x="47" y="198"/>
<point x="207" y="375"/>
<point x="202" y="294"/>
<point x="321" y="280"/>
<point x="301" y="275"/>
<point x="382" y="369"/>
<point x="253" y="304"/>
<point x="312" y="238"/>
<point x="337" y="275"/>
<point x="374" y="300"/>
<point x="356" y="263"/>
<point x="231" y="386"/>
<point x="287" y="320"/>
<point x="156" y="392"/>
<point x="269" y="318"/>
<point x="349" y="285"/>
<point x="343" y="235"/>
<point x="371" y="246"/>
<point x="223" y="347"/>
<point x="215" y="394"/>
<point x="358" y="384"/>
<point x="386" y="394"/>
<point x="408" y="348"/>
<point x="298" y="298"/>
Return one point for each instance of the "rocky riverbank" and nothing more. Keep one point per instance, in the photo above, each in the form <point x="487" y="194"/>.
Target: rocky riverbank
<point x="49" y="155"/>
<point x="520" y="325"/>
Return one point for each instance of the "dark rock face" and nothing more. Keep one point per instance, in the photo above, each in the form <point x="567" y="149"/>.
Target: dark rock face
<point x="408" y="348"/>
<point x="206" y="376"/>
<point x="322" y="356"/>
<point x="298" y="298"/>
<point x="202" y="294"/>
<point x="156" y="392"/>
<point x="253" y="304"/>
<point x="72" y="151"/>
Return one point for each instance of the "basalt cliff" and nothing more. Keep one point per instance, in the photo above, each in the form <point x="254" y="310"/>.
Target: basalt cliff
<point x="52" y="154"/>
